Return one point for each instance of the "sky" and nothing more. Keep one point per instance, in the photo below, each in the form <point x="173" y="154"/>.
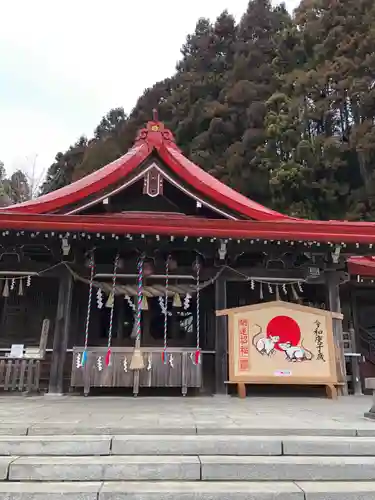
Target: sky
<point x="63" y="65"/>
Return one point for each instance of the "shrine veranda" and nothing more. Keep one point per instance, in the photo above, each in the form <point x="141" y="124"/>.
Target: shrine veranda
<point x="114" y="281"/>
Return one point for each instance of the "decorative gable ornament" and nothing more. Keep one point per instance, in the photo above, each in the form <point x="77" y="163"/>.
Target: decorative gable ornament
<point x="153" y="183"/>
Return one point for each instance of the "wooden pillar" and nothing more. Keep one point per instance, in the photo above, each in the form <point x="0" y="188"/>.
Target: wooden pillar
<point x="61" y="333"/>
<point x="221" y="338"/>
<point x="355" y="341"/>
<point x="333" y="290"/>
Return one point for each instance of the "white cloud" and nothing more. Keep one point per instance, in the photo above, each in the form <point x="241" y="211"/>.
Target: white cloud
<point x="65" y="64"/>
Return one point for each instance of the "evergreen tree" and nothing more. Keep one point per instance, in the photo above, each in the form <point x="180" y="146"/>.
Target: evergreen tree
<point x="280" y="108"/>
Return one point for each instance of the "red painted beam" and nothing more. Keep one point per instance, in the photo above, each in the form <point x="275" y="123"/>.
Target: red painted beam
<point x="332" y="231"/>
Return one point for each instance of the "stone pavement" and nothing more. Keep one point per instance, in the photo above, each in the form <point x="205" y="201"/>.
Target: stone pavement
<point x="203" y="415"/>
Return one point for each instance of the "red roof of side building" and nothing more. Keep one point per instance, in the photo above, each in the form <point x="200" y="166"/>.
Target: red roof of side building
<point x="154" y="138"/>
<point x="363" y="266"/>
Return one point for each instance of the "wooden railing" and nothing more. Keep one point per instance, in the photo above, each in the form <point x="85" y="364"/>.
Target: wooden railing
<point x="19" y="374"/>
<point x="182" y="372"/>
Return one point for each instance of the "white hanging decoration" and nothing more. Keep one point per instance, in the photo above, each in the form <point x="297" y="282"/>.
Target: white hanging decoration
<point x="284" y="288"/>
<point x="28" y="281"/>
<point x="300" y="286"/>
<point x="99" y="298"/>
<point x="171" y="361"/>
<point x="187" y="300"/>
<point x="162" y="306"/>
<point x="78" y="361"/>
<point x="13" y="284"/>
<point x="261" y="291"/>
<point x="130" y="302"/>
<point x="99" y="363"/>
<point x="270" y="288"/>
<point x="252" y="285"/>
<point x="125" y="365"/>
<point x="149" y="363"/>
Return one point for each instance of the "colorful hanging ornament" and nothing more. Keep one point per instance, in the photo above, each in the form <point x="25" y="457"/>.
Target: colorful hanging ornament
<point x="20" y="288"/>
<point x="197" y="356"/>
<point x="13" y="283"/>
<point x="109" y="353"/>
<point x="164" y="353"/>
<point x="137" y="362"/>
<point x="6" y="288"/>
<point x="28" y="281"/>
<point x="88" y="315"/>
<point x="176" y="300"/>
<point x="99" y="298"/>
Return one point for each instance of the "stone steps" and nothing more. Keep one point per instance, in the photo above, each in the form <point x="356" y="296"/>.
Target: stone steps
<point x="187" y="467"/>
<point x="186" y="445"/>
<point x="162" y="429"/>
<point x="188" y="491"/>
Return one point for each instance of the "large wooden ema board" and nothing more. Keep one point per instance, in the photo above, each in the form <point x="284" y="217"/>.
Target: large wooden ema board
<point x="281" y="343"/>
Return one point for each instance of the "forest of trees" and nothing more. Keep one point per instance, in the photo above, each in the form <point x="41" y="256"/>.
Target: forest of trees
<point x="280" y="107"/>
<point x="13" y="189"/>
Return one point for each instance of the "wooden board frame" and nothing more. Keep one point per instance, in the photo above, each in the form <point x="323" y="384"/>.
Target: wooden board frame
<point x="274" y="380"/>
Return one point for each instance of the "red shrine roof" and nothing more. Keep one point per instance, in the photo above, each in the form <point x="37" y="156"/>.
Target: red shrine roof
<point x="154" y="138"/>
<point x="51" y="211"/>
<point x="362" y="266"/>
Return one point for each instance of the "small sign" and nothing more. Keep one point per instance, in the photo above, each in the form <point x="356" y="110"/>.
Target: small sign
<point x="16" y="351"/>
<point x="314" y="272"/>
<point x="283" y="373"/>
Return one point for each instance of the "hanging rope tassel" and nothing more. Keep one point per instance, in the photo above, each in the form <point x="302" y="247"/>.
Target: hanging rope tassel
<point x="164" y="354"/>
<point x="197" y="356"/>
<point x="92" y="270"/>
<point x="108" y="355"/>
<point x="137" y="362"/>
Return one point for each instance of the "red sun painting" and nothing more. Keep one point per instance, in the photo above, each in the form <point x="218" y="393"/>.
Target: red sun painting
<point x="286" y="328"/>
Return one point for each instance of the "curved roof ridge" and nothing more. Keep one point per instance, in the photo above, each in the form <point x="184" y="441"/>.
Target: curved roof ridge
<point x="153" y="137"/>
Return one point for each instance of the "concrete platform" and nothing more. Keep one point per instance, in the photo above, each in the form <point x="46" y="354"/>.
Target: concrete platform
<point x="75" y="415"/>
